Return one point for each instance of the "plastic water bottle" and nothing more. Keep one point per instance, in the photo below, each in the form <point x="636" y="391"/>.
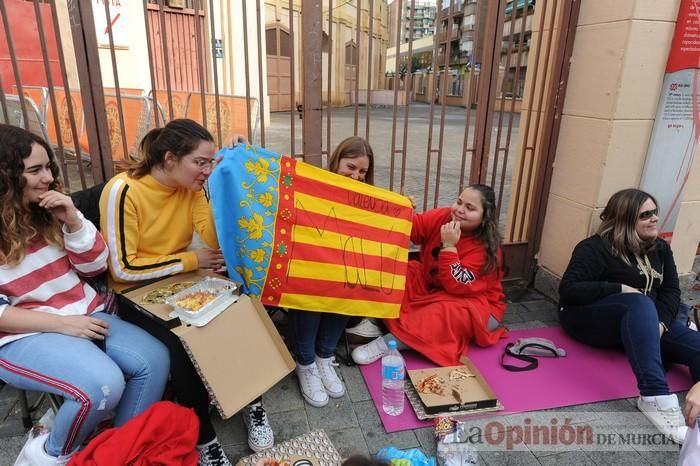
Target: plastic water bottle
<point x="392" y="381"/>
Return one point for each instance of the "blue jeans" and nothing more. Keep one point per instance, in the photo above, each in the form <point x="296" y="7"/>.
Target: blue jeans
<point x="630" y="320"/>
<point x="315" y="334"/>
<point x="127" y="377"/>
<point x="684" y="311"/>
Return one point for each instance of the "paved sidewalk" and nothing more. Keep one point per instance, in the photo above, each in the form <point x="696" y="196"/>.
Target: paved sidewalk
<point x="353" y="424"/>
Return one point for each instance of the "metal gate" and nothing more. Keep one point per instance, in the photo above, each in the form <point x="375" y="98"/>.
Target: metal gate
<point x="180" y="66"/>
<point x="481" y="103"/>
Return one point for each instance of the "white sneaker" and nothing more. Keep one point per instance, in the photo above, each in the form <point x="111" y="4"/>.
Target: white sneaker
<point x="366" y="328"/>
<point x="260" y="436"/>
<point x="311" y="385"/>
<point x="34" y="453"/>
<point x="665" y="413"/>
<point x="372" y="351"/>
<point x="331" y="382"/>
<point x="212" y="454"/>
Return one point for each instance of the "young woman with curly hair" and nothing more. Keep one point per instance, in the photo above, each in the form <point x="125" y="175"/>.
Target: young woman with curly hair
<point x="50" y="318"/>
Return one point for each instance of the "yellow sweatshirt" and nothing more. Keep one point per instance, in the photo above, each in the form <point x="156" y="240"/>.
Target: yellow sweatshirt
<point x="148" y="227"/>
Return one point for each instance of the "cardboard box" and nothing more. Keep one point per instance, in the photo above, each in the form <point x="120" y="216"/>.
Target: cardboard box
<point x="239" y="355"/>
<point x="458" y="395"/>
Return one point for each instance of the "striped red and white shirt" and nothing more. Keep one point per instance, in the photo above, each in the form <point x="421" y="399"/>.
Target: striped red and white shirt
<point x="48" y="278"/>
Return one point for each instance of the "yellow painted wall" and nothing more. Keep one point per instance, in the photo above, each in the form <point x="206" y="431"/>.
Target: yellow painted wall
<point x="343" y="30"/>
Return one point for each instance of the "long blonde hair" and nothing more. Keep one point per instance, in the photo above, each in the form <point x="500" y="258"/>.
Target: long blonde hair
<point x="619" y="221"/>
<point x="22" y="222"/>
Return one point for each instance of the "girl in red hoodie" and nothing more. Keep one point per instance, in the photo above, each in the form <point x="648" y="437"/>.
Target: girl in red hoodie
<point x="453" y="294"/>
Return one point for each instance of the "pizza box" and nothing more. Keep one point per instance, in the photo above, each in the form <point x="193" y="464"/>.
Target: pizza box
<point x="459" y="393"/>
<point x="233" y="374"/>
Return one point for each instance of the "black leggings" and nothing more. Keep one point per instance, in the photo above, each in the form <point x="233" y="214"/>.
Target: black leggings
<point x="188" y="387"/>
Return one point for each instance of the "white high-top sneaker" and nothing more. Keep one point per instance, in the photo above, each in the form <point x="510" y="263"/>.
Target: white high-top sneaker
<point x="311" y="385"/>
<point x="665" y="413"/>
<point x="331" y="382"/>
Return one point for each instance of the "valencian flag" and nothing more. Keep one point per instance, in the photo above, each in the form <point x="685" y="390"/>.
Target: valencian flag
<point x="300" y="237"/>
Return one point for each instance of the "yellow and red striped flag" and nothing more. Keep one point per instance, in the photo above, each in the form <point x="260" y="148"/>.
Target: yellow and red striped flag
<point x="301" y="237"/>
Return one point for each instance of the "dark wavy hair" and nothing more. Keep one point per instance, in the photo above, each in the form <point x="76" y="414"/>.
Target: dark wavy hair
<point x="487" y="232"/>
<point x="22" y="222"/>
<point x="179" y="137"/>
<point x="619" y="221"/>
<point x="352" y="148"/>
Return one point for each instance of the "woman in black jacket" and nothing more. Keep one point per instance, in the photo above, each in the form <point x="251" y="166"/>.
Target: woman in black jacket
<point x="621" y="289"/>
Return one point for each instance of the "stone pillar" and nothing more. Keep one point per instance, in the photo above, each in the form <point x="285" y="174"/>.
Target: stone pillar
<point x="617" y="69"/>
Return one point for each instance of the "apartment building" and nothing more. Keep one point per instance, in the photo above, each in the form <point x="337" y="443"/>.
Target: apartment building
<point x="400" y="14"/>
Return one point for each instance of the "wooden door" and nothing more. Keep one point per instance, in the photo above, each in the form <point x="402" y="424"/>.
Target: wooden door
<point x="180" y="48"/>
<point x="279" y="77"/>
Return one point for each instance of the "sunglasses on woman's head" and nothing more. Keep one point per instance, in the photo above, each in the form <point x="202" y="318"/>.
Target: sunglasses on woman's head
<point x="647" y="214"/>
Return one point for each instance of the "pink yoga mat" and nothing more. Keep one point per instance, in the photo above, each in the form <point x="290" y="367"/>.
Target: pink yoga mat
<point x="585" y="375"/>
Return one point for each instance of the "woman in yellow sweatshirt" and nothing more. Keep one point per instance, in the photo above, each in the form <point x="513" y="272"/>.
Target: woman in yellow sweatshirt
<point x="148" y="216"/>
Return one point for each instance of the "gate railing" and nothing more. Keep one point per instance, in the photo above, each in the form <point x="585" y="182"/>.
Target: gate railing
<point x="209" y="59"/>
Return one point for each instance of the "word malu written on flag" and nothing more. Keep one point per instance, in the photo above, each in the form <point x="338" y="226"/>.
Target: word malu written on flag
<point x="300" y="237"/>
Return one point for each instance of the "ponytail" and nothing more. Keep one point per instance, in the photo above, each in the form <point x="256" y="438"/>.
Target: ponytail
<point x="179" y="137"/>
<point x="145" y="163"/>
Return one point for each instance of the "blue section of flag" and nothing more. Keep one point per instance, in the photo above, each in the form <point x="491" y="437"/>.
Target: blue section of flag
<point x="244" y="190"/>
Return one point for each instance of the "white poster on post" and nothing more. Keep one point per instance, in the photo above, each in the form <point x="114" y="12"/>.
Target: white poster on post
<point x="118" y="23"/>
<point x="674" y="138"/>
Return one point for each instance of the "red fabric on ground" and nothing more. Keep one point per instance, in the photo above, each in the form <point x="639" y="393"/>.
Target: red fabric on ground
<point x="448" y="301"/>
<point x="164" y="434"/>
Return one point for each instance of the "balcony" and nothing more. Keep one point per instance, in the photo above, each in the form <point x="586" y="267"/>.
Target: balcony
<point x="459" y="58"/>
<point x="469" y="8"/>
<point x="517" y="26"/>
<point x="456" y="58"/>
<point x="513" y="61"/>
<point x="444" y="36"/>
<point x="457" y="7"/>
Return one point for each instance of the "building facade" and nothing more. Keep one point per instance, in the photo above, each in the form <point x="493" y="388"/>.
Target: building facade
<point x="350" y="65"/>
<point x="400" y="15"/>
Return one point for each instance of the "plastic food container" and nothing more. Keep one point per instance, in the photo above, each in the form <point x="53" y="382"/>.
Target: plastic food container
<point x="222" y="290"/>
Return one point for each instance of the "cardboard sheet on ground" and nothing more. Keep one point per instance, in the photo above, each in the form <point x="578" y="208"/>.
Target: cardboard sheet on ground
<point x="298" y="236"/>
<point x="311" y="449"/>
<point x="221" y="350"/>
<point x="585" y="375"/>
